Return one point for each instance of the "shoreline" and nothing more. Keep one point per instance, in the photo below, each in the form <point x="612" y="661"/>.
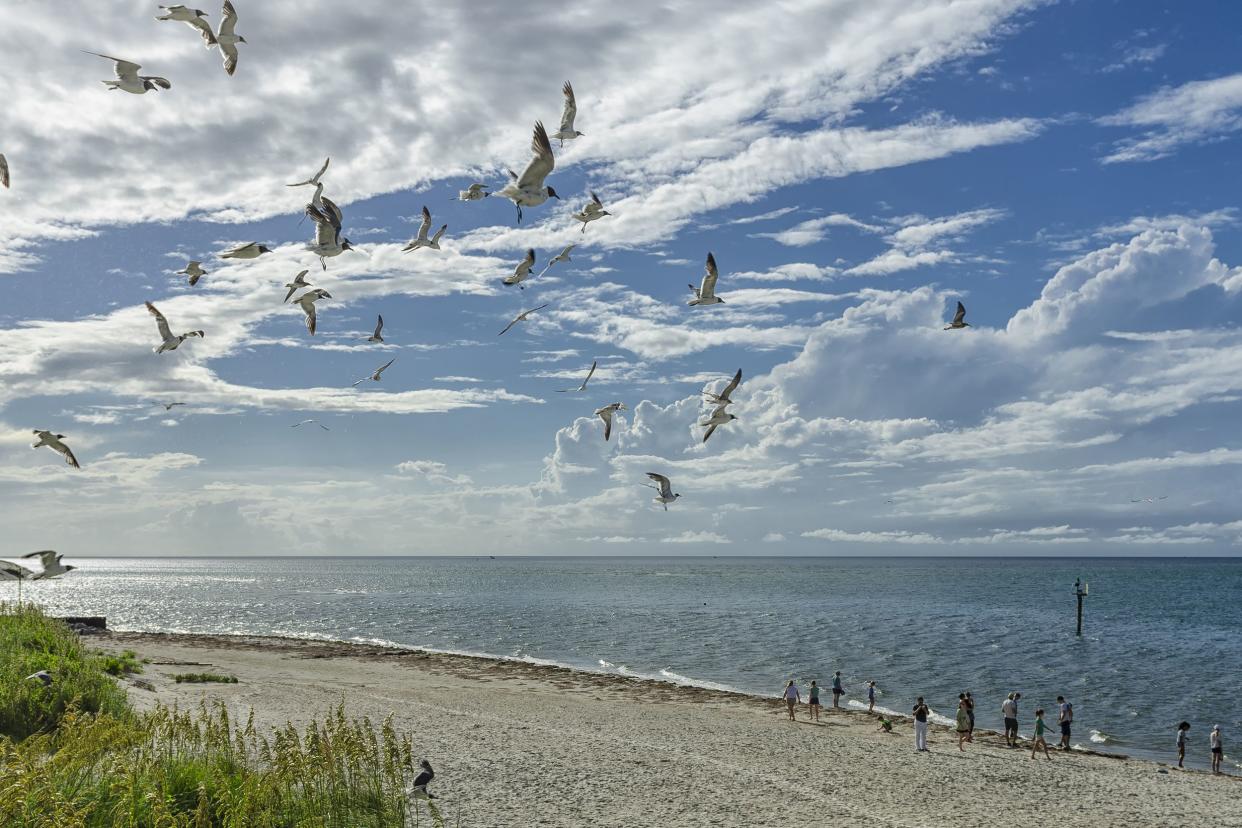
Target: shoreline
<point x="516" y="743"/>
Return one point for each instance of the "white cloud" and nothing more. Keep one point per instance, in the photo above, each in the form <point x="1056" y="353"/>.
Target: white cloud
<point x="842" y="536"/>
<point x="815" y="230"/>
<point x="697" y="537"/>
<point x="1174" y="117"/>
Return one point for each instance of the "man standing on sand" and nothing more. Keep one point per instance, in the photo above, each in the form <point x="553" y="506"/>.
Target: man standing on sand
<point x="1066" y="717"/>
<point x="1218" y="749"/>
<point x="837" y="690"/>
<point x="871" y="696"/>
<point x="1009" y="710"/>
<point x="920" y="724"/>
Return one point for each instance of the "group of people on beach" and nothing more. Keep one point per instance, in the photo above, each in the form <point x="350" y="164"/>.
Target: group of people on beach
<point x="964" y="720"/>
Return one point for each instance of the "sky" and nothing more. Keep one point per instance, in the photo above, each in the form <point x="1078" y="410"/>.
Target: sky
<point x="1067" y="170"/>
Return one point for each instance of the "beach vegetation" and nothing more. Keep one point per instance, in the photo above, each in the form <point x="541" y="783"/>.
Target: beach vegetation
<point x="204" y="678"/>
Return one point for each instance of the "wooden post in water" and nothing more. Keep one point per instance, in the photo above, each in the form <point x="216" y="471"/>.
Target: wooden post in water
<point x="1080" y="589"/>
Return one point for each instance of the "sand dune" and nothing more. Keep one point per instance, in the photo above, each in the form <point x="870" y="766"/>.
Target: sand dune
<point x="526" y="745"/>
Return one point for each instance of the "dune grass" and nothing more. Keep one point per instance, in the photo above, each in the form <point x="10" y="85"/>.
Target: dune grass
<point x="204" y="678"/>
<point x="93" y="761"/>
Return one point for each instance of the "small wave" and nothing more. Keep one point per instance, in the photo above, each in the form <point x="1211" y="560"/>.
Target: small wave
<point x="607" y="665"/>
<point x="675" y="678"/>
<point x="1099" y="738"/>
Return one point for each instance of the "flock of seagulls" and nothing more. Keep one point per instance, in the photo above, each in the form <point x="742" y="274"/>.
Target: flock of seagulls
<point x="530" y="189"/>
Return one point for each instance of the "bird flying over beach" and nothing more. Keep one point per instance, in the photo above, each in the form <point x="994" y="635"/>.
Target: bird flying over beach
<point x="128" y="79"/>
<point x="170" y="406"/>
<point x="522" y="272"/>
<point x="563" y="256"/>
<point x="568" y="113"/>
<point x="959" y="319"/>
<point x="528" y="189"/>
<point x="327" y="218"/>
<point x="53" y="441"/>
<point x="375" y="375"/>
<point x="606" y="413"/>
<point x="421" y="239"/>
<point x="228" y="38"/>
<point x="50" y="561"/>
<point x="593" y="210"/>
<point x="665" y="488"/>
<point x="170" y="342"/>
<point x="475" y="192"/>
<point x="308" y="422"/>
<point x="314" y="179"/>
<point x="719" y="417"/>
<point x="379" y="326"/>
<point x="307" y="302"/>
<point x="582" y="387"/>
<point x="705" y="294"/>
<point x="725" y="397"/>
<point x="194" y="270"/>
<point x="195" y="18"/>
<point x="250" y="250"/>
<point x="297" y="284"/>
<point x="521" y="317"/>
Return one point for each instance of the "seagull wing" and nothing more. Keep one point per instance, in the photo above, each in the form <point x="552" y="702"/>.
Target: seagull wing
<point x="126" y="70"/>
<point x="309" y="307"/>
<point x="439" y="234"/>
<point x="666" y="486"/>
<point x="333" y="212"/>
<point x="543" y="162"/>
<point x="711" y="429"/>
<point x="4" y="172"/>
<point x="960" y="315"/>
<point x="295" y="284"/>
<point x="204" y="29"/>
<point x="426" y="224"/>
<point x="383" y="368"/>
<point x="379" y="326"/>
<point x="326" y="232"/>
<point x="526" y="264"/>
<point x="314" y="179"/>
<point x="160" y="321"/>
<point x="228" y="23"/>
<point x="605" y="414"/>
<point x="563" y="256"/>
<point x="710" y="275"/>
<point x="516" y="320"/>
<point x="571" y="108"/>
<point x="731" y="387"/>
<point x="590" y="374"/>
<point x="65" y="452"/>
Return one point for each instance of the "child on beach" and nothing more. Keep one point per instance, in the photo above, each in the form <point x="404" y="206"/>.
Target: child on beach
<point x="837" y="690"/>
<point x="792" y="697"/>
<point x="1182" y="730"/>
<point x="963" y="723"/>
<point x="871" y="697"/>
<point x="1218" y="749"/>
<point x="1039" y="742"/>
<point x="813" y="715"/>
<point x="886" y="725"/>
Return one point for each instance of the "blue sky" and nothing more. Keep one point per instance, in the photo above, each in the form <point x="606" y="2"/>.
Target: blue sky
<point x="1068" y="170"/>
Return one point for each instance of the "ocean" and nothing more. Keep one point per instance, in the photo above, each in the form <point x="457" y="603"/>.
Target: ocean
<point x="1162" y="638"/>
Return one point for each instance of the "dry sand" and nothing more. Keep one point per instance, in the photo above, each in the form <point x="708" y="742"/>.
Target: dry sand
<point x="523" y="745"/>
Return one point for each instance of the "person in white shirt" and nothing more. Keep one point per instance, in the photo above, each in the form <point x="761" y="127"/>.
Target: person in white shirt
<point x="1182" y="730"/>
<point x="1009" y="709"/>
<point x="1217" y="748"/>
<point x="792" y="697"/>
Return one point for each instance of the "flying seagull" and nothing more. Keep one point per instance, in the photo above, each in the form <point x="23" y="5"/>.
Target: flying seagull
<point x="475" y="192"/>
<point x="128" y="79"/>
<point x="528" y="189"/>
<point x="567" y="131"/>
<point x="718" y="418"/>
<point x="582" y="387"/>
<point x="327" y="217"/>
<point x="298" y="282"/>
<point x="563" y="256"/>
<point x="379" y="326"/>
<point x="522" y="272"/>
<point x="307" y="422"/>
<point x="171" y="405"/>
<point x="664" y="487"/>
<point x="418" y="788"/>
<point x="593" y="210"/>
<point x="421" y="239"/>
<point x="725" y="397"/>
<point x="227" y="38"/>
<point x="4" y="171"/>
<point x="307" y="302"/>
<point x="196" y="18"/>
<point x="53" y="441"/>
<point x="606" y="413"/>
<point x="50" y="561"/>
<point x="43" y="676"/>
<point x="250" y="250"/>
<point x="194" y="270"/>
<point x="375" y="375"/>
<point x="959" y="319"/>
<point x="521" y="317"/>
<point x="705" y="294"/>
<point x="170" y="342"/>
<point x="314" y="179"/>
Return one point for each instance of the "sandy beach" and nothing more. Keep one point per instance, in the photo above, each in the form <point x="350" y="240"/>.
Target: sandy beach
<point x="516" y="744"/>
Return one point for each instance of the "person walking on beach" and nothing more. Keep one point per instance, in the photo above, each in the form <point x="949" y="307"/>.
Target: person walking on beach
<point x="920" y="724"/>
<point x="837" y="690"/>
<point x="1182" y="730"/>
<point x="963" y="723"/>
<point x="813" y="715"/>
<point x="871" y="697"/>
<point x="792" y="697"/>
<point x="1009" y="710"/>
<point x="1039" y="740"/>
<point x="1218" y="749"/>
<point x="970" y="714"/>
<point x="1065" y="717"/>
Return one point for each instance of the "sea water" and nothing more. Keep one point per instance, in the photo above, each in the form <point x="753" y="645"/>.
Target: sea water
<point x="1162" y="638"/>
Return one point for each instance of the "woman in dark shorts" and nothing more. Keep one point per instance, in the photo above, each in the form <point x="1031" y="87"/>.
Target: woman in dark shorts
<point x="837" y="690"/>
<point x="814" y="702"/>
<point x="1218" y="749"/>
